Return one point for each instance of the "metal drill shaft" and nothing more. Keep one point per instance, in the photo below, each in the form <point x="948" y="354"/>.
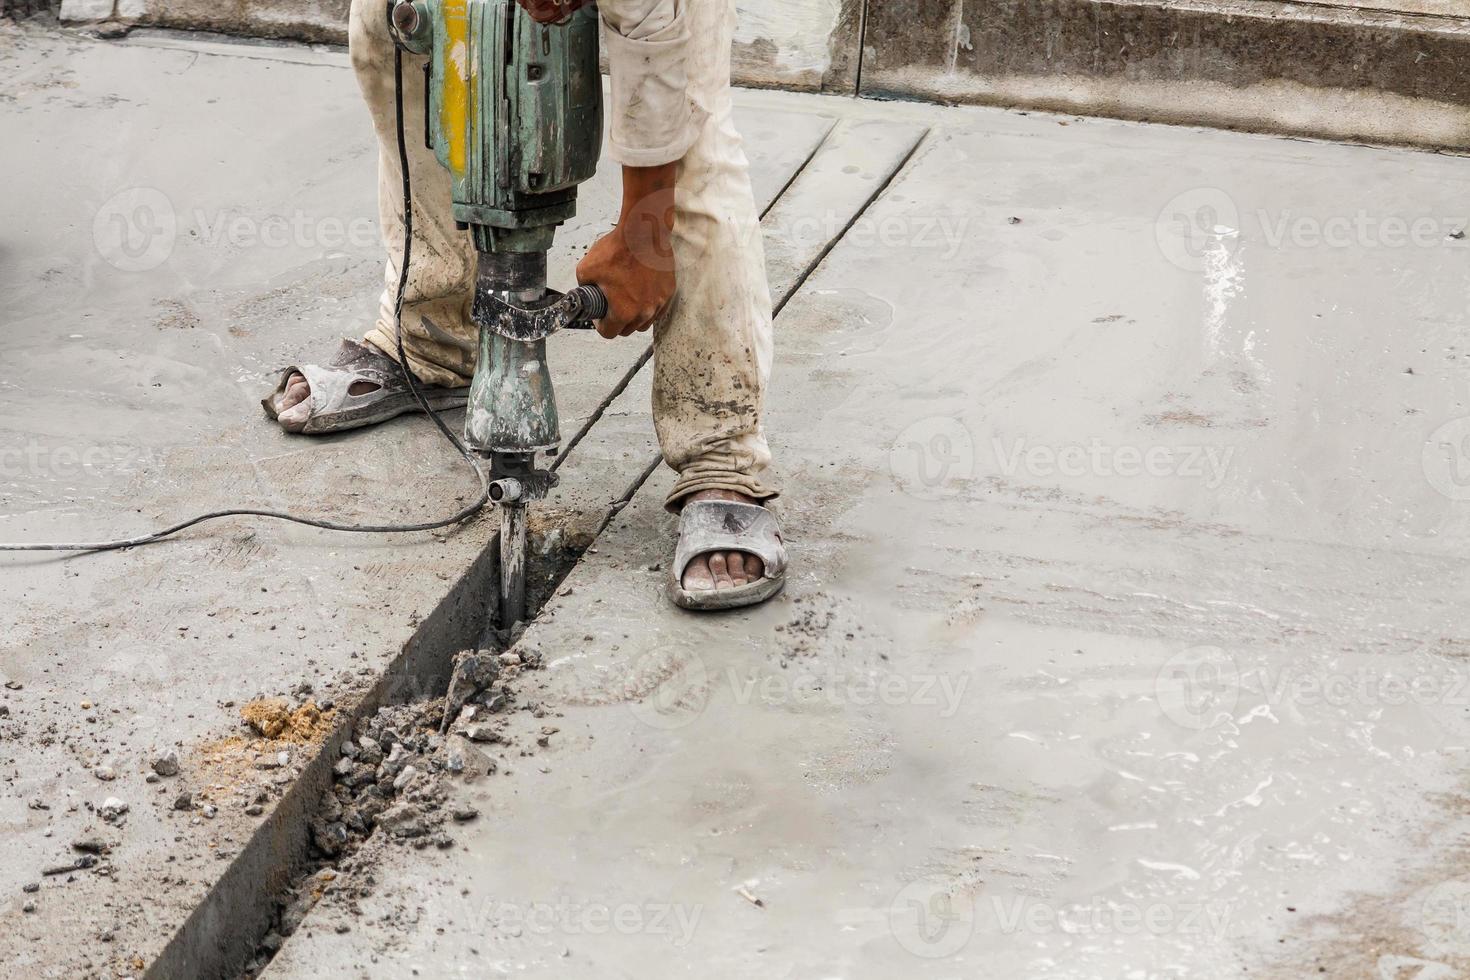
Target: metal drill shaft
<point x="512" y="566"/>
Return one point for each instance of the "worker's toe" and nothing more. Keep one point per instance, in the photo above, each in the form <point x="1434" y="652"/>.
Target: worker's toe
<point x="698" y="577"/>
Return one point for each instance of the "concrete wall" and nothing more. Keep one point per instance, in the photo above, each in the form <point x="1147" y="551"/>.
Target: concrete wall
<point x="812" y="45"/>
<point x="1386" y="71"/>
<point x="1330" y="69"/>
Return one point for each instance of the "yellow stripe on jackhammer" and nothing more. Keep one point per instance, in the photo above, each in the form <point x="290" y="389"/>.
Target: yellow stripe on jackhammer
<point x="455" y="108"/>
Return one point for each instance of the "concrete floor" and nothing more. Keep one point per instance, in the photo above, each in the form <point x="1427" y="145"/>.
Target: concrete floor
<point x="1033" y="706"/>
<point x="1126" y="483"/>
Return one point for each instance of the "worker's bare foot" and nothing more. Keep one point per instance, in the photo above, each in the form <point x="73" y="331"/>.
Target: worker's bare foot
<point x="722" y="569"/>
<point x="361" y="387"/>
<point x="294" y="404"/>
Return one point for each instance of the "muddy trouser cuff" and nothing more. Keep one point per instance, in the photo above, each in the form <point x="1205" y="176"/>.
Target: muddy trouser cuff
<point x="712" y="353"/>
<point x="425" y="372"/>
<point x="720" y="471"/>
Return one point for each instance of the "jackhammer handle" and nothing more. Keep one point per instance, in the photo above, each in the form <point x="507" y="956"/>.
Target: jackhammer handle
<point x="588" y="303"/>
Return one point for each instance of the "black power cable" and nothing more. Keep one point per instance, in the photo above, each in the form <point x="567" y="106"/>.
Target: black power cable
<point x="463" y="515"/>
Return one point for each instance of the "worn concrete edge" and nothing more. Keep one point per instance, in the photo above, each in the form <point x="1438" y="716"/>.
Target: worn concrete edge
<point x="220" y="935"/>
<point x="1304" y="115"/>
<point x="1375" y="77"/>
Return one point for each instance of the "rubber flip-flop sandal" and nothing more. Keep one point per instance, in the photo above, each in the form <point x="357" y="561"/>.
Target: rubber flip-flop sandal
<point x="709" y="526"/>
<point x="334" y="408"/>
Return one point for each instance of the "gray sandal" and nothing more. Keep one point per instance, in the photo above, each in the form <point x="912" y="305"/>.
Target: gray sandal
<point x="334" y="408"/>
<point x="708" y="526"/>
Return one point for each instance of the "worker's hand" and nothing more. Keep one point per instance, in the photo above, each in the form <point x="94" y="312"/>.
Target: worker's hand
<point x="634" y="263"/>
<point x="552" y="11"/>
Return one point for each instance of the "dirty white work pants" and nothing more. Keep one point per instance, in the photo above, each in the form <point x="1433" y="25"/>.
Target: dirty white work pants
<point x="712" y="353"/>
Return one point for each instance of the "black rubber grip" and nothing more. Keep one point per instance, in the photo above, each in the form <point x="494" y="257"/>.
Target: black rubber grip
<point x="590" y="301"/>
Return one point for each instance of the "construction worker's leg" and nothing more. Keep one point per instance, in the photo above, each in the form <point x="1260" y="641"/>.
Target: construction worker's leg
<point x="712" y="354"/>
<point x="439" y="339"/>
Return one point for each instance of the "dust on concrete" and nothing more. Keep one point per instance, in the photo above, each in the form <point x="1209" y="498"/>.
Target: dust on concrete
<point x="1413" y="928"/>
<point x="277" y="720"/>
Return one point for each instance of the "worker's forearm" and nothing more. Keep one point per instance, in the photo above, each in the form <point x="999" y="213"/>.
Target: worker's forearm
<point x="648" y="194"/>
<point x="646" y="225"/>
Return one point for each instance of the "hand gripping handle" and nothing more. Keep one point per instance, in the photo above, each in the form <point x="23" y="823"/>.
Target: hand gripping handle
<point x="574" y="311"/>
<point x="590" y="304"/>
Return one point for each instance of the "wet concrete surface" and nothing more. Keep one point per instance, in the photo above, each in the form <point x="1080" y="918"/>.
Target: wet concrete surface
<point x="180" y="236"/>
<point x="1126" y="485"/>
<point x="1124" y="633"/>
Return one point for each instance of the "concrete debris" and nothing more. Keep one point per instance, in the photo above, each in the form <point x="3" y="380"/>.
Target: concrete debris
<point x="112" y="809"/>
<point x="404" y="820"/>
<point x="80" y="864"/>
<point x="474" y="672"/>
<point x="307" y="894"/>
<point x="166" y="763"/>
<point x="482" y="733"/>
<point x="391" y="775"/>
<point x="750" y="897"/>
